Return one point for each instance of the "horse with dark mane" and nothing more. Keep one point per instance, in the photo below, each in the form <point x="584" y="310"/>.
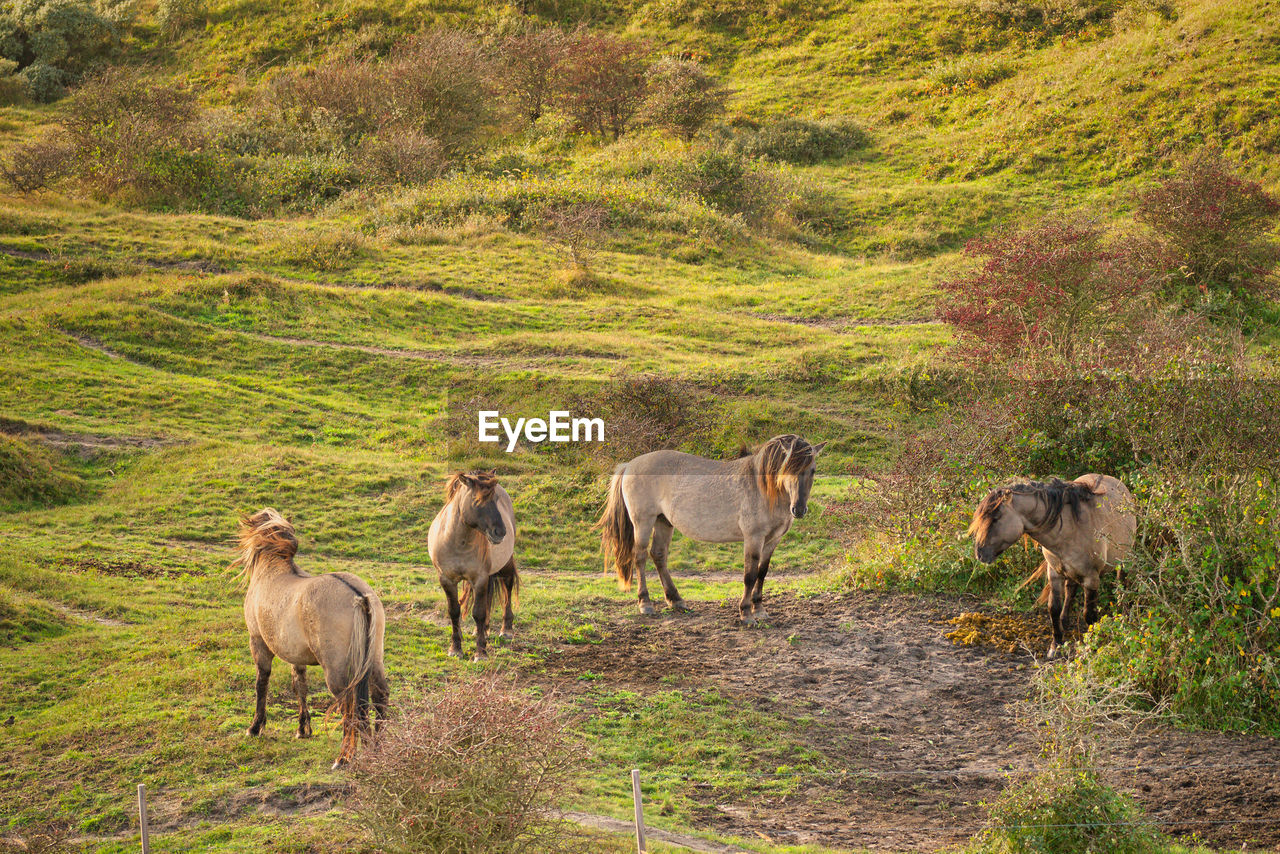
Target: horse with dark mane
<point x="751" y="500"/>
<point x="1082" y="528"/>
<point x="472" y="542"/>
<point x="334" y="620"/>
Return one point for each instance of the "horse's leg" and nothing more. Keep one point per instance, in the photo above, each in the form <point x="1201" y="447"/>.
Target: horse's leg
<point x="481" y="602"/>
<point x="751" y="551"/>
<point x="455" y="615"/>
<point x="757" y="592"/>
<point x="659" y="548"/>
<point x="1067" y="601"/>
<point x="379" y="693"/>
<point x="1091" y="587"/>
<point x="300" y="689"/>
<point x="644" y="531"/>
<point x="262" y="658"/>
<point x="507" y="576"/>
<point x="1057" y="595"/>
<point x="350" y="713"/>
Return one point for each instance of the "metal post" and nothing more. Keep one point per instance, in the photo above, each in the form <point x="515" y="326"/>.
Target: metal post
<point x="635" y="796"/>
<point x="142" y="818"/>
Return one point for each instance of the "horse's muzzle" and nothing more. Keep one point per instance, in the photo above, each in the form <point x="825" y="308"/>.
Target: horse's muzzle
<point x="495" y="537"/>
<point x="798" y="512"/>
<point x="987" y="556"/>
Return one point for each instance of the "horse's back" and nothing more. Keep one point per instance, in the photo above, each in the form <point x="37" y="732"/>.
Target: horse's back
<point x="1117" y="521"/>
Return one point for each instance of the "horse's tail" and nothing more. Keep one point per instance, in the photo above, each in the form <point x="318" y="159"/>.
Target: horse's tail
<point x="355" y="697"/>
<point x="618" y="535"/>
<point x="1041" y="571"/>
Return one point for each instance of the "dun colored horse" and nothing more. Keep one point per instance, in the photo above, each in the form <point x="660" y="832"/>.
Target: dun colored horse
<point x="1082" y="527"/>
<point x="334" y="620"/>
<point x="751" y="500"/>
<point x="473" y="541"/>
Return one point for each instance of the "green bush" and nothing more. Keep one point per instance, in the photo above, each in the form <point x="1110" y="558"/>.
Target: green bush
<point x="1198" y="624"/>
<point x="173" y="16"/>
<point x="967" y="73"/>
<point x="53" y="42"/>
<point x="681" y="97"/>
<point x="730" y="183"/>
<point x="800" y="141"/>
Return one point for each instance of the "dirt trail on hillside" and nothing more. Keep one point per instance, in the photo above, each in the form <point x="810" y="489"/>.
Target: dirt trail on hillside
<point x="919" y="730"/>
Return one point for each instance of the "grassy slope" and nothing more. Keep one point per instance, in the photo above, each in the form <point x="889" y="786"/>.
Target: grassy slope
<point x="206" y="393"/>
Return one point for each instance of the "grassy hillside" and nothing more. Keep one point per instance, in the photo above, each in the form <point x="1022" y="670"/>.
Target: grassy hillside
<point x="163" y="370"/>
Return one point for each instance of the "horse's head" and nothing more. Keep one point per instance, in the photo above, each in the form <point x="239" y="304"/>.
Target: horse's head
<point x="476" y="494"/>
<point x="265" y="535"/>
<point x="996" y="525"/>
<point x="787" y="466"/>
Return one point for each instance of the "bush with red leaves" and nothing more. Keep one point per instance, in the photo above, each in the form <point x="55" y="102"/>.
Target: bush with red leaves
<point x="1046" y="297"/>
<point x="603" y="81"/>
<point x="1211" y="244"/>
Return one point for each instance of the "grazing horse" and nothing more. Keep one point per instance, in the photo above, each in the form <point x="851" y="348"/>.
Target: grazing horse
<point x="1082" y="527"/>
<point x="334" y="620"/>
<point x="473" y="540"/>
<point x="750" y="500"/>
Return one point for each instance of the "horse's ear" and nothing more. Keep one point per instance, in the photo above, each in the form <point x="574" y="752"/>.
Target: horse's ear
<point x="817" y="449"/>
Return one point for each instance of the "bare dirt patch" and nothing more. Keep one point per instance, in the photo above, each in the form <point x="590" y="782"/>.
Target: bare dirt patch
<point x="919" y="731"/>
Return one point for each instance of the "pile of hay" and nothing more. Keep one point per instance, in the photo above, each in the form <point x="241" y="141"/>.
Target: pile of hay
<point x="1010" y="633"/>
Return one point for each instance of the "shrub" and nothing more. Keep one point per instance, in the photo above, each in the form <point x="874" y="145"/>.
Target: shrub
<point x="326" y="250"/>
<point x="648" y="412"/>
<point x="118" y="120"/>
<point x="1066" y="807"/>
<point x="327" y="108"/>
<point x="53" y="42"/>
<point x="34" y="165"/>
<point x="681" y="97"/>
<point x="403" y="156"/>
<point x="731" y="183"/>
<point x="1198" y="624"/>
<point x="603" y="82"/>
<point x="474" y="767"/>
<point x="1211" y="231"/>
<point x="174" y="16"/>
<point x="532" y="63"/>
<point x="441" y="84"/>
<point x="577" y="228"/>
<point x="1047" y="17"/>
<point x="1042" y="295"/>
<point x="801" y="141"/>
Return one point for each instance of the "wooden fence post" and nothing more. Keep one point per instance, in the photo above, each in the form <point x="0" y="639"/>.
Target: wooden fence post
<point x="635" y="796"/>
<point x="142" y="818"/>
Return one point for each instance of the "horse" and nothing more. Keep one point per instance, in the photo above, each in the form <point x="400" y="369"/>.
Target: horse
<point x="334" y="620"/>
<point x="1082" y="528"/>
<point x="751" y="500"/>
<point x="473" y="541"/>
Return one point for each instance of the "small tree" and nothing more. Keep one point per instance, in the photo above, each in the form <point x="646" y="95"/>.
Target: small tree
<point x="682" y="97"/>
<point x="1211" y="233"/>
<point x="604" y="81"/>
<point x="577" y="228"/>
<point x="533" y="64"/>
<point x="1042" y="294"/>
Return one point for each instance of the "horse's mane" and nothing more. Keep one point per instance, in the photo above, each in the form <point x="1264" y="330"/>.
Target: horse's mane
<point x="786" y="454"/>
<point x="1057" y="495"/>
<point x="482" y="484"/>
<point x="265" y="534"/>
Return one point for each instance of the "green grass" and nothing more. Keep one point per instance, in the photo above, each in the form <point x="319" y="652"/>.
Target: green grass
<point x="196" y="367"/>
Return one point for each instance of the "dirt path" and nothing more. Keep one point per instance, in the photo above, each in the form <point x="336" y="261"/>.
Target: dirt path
<point x="921" y="731"/>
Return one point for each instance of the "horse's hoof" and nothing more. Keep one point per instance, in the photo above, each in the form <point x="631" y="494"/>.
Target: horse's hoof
<point x="480" y="656"/>
<point x="507" y="634"/>
<point x="337" y="763"/>
<point x="253" y="733"/>
<point x="647" y="609"/>
<point x="681" y="606"/>
<point x="1052" y="653"/>
<point x="760" y="614"/>
<point x="455" y="653"/>
<point x="302" y="735"/>
<point x="748" y="619"/>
